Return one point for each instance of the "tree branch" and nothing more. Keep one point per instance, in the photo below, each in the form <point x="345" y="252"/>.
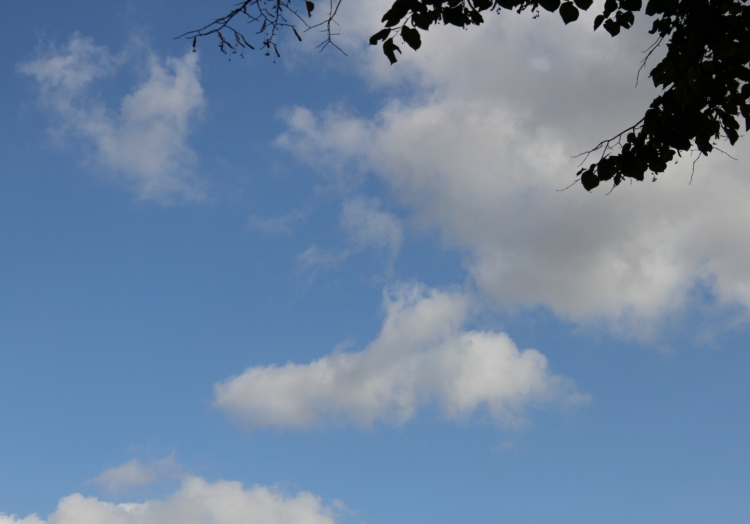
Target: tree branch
<point x="272" y="16"/>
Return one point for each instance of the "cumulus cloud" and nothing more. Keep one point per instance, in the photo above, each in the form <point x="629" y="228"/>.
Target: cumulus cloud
<point x="144" y="140"/>
<point x="421" y="355"/>
<point x="134" y="474"/>
<point x="482" y="146"/>
<point x="197" y="502"/>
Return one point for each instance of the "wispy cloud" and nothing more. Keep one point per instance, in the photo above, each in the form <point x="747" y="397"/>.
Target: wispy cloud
<point x="421" y="355"/>
<point x="144" y="140"/>
<point x="135" y="474"/>
<point x="276" y="225"/>
<point x="366" y="227"/>
<point x="369" y="227"/>
<point x="315" y="258"/>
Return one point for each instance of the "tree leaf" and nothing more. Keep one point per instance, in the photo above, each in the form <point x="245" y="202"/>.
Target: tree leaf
<point x="550" y="5"/>
<point x="380" y="35"/>
<point x="631" y="5"/>
<point x="423" y="20"/>
<point x="396" y="13"/>
<point x="310" y="7"/>
<point x="612" y="27"/>
<point x="745" y="110"/>
<point x="411" y="37"/>
<point x="475" y="17"/>
<point x="456" y="16"/>
<point x="568" y="12"/>
<point x="625" y="19"/>
<point x="605" y="169"/>
<point x="732" y="135"/>
<point x="584" y="4"/>
<point x="589" y="180"/>
<point x="390" y="48"/>
<point x="654" y="6"/>
<point x="598" y="21"/>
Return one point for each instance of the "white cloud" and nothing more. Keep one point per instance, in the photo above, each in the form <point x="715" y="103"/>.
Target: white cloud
<point x="134" y="474"/>
<point x="486" y="140"/>
<point x="420" y="355"/>
<point x="145" y="139"/>
<point x="197" y="502"/>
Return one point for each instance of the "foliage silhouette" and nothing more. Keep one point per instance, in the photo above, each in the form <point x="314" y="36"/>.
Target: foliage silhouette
<point x="704" y="73"/>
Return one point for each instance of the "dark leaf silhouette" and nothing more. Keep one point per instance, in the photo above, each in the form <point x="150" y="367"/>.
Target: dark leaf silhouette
<point x="380" y="35"/>
<point x="589" y="179"/>
<point x="411" y="37"/>
<point x="612" y="27"/>
<point x="550" y="5"/>
<point x="390" y="48"/>
<point x="568" y="12"/>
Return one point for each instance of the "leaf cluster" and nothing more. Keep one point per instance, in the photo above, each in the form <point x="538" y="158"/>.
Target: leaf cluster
<point x="407" y="17"/>
<point x="704" y="75"/>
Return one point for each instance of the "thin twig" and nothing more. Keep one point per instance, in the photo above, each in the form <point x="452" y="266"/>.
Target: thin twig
<point x="272" y="17"/>
<point x="605" y="144"/>
<point x="650" y="50"/>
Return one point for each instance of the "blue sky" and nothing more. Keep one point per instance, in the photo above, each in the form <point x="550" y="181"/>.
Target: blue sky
<point x="326" y="289"/>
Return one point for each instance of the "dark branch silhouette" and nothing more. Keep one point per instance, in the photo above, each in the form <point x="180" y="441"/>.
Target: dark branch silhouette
<point x="270" y="17"/>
